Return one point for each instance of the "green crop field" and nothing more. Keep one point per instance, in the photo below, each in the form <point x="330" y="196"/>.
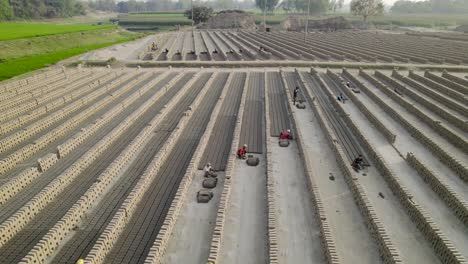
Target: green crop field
<point x="25" y="54"/>
<point x="26" y="30"/>
<point x="148" y="19"/>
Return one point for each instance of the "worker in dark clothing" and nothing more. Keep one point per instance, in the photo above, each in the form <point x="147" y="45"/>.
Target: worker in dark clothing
<point x="295" y="93"/>
<point x="242" y="152"/>
<point x="348" y="85"/>
<point x="286" y="135"/>
<point x="358" y="163"/>
<point x="341" y="98"/>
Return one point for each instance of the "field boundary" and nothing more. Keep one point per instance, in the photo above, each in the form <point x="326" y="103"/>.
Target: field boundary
<point x="263" y="64"/>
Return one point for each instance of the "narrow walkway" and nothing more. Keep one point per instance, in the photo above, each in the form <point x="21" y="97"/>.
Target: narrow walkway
<point x="191" y="238"/>
<point x="345" y="219"/>
<point x="245" y="232"/>
<point x="298" y="231"/>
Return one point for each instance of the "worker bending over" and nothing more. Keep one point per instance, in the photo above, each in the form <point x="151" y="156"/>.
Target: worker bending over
<point x="358" y="163"/>
<point x="286" y="135"/>
<point x="209" y="171"/>
<point x="242" y="152"/>
<point x="154" y="47"/>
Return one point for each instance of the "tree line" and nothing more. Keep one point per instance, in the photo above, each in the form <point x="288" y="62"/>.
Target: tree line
<point x="166" y="5"/>
<point x="27" y="9"/>
<point x="430" y="6"/>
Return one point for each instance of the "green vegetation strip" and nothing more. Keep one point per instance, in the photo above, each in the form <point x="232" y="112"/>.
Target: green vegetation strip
<point x="154" y="19"/>
<point x="10" y="31"/>
<point x="24" y="55"/>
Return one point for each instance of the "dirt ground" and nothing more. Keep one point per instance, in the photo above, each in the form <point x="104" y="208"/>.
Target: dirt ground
<point x="298" y="230"/>
<point x="245" y="230"/>
<point x="191" y="238"/>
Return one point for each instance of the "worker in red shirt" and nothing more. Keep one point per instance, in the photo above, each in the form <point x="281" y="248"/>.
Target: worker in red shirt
<point x="242" y="152"/>
<point x="286" y="134"/>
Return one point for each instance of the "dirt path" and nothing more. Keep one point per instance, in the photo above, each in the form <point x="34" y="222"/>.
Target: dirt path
<point x="190" y="241"/>
<point x="345" y="219"/>
<point x="245" y="233"/>
<point x="298" y="230"/>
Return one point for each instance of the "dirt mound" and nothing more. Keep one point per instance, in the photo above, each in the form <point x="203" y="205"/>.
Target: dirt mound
<point x="463" y="28"/>
<point x="330" y="24"/>
<point x="327" y="24"/>
<point x="292" y="24"/>
<point x="232" y="19"/>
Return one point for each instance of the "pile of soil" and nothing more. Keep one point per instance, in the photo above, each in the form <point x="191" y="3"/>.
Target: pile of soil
<point x="232" y="19"/>
<point x="330" y="24"/>
<point x="327" y="24"/>
<point x="463" y="28"/>
<point x="292" y="24"/>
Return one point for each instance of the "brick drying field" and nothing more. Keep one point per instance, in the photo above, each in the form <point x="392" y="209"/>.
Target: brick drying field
<point x="105" y="164"/>
<point x="339" y="46"/>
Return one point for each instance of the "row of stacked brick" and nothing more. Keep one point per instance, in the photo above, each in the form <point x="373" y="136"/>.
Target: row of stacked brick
<point x="116" y="226"/>
<point x="52" y="239"/>
<point x="442" y="129"/>
<point x="443" y="247"/>
<point x="457" y="79"/>
<point x="439" y="186"/>
<point x="26" y="151"/>
<point x="17" y="183"/>
<point x="454" y="164"/>
<point x="32" y="110"/>
<point x="43" y="92"/>
<point x="159" y="246"/>
<point x="448" y="82"/>
<point x="389" y="135"/>
<point x="430" y="104"/>
<point x="387" y="249"/>
<point x="326" y="233"/>
<point x="448" y="102"/>
<point x="251" y="52"/>
<point x="446" y="132"/>
<point x="436" y="184"/>
<point x="217" y="235"/>
<point x="24" y="215"/>
<point x="12" y="88"/>
<point x="273" y="246"/>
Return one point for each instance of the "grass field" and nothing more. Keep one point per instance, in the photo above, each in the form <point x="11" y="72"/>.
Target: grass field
<point x="18" y="56"/>
<point x="10" y="31"/>
<point x="163" y="19"/>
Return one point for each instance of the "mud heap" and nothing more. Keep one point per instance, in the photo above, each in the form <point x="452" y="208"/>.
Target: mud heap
<point x="327" y="24"/>
<point x="463" y="28"/>
<point x="232" y="19"/>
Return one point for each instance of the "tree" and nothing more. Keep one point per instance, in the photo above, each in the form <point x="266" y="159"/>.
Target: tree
<point x="6" y="12"/>
<point x="268" y="4"/>
<point x="200" y="14"/>
<point x="316" y="6"/>
<point x="367" y="8"/>
<point x="340" y="4"/>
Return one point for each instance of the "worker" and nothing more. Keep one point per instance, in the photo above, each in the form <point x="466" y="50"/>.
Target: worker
<point x="341" y="98"/>
<point x="154" y="47"/>
<point x="209" y="171"/>
<point x="295" y="93"/>
<point x="348" y="85"/>
<point x="286" y="134"/>
<point x="80" y="261"/>
<point x="358" y="163"/>
<point x="242" y="152"/>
